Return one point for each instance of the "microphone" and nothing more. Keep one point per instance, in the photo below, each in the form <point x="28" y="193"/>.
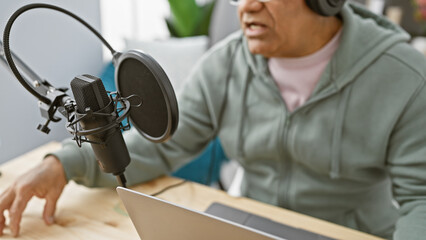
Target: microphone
<point x="95" y="110"/>
<point x="94" y="116"/>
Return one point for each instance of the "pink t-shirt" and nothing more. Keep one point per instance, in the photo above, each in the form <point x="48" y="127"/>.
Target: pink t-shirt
<point x="297" y="77"/>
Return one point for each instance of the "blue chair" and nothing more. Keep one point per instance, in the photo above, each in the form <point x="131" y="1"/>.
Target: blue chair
<point x="205" y="169"/>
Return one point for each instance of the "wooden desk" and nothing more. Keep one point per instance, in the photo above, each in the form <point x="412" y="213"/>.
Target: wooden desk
<point x="84" y="213"/>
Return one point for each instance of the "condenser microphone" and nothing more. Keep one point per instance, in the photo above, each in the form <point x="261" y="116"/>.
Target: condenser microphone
<point x="145" y="96"/>
<point x="96" y="110"/>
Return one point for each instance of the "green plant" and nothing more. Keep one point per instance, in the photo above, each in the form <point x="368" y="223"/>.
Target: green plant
<point x="187" y="18"/>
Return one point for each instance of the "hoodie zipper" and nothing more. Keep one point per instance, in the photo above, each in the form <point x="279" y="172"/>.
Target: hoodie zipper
<point x="284" y="162"/>
<point x="283" y="192"/>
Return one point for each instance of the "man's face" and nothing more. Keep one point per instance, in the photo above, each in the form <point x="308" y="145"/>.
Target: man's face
<point x="278" y="28"/>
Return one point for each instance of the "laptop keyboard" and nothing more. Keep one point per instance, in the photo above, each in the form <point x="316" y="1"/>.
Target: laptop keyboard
<point x="262" y="224"/>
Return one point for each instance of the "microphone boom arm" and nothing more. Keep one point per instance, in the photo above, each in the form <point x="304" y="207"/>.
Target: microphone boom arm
<point x="42" y="87"/>
<point x="31" y="78"/>
<point x="50" y="98"/>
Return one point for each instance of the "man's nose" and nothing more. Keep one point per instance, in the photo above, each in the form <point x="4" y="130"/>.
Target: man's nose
<point x="250" y="5"/>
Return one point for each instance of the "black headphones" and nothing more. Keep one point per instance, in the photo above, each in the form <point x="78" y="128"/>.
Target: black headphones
<point x="326" y="7"/>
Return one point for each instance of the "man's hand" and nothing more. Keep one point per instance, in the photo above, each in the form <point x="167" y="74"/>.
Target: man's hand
<point x="47" y="180"/>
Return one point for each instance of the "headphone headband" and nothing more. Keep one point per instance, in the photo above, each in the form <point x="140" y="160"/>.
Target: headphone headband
<point x="326" y="7"/>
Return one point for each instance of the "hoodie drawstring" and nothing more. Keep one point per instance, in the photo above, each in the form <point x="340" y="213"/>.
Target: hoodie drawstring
<point x="337" y="134"/>
<point x="240" y="140"/>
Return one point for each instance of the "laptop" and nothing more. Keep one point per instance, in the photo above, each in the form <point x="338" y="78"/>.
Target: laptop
<point x="156" y="219"/>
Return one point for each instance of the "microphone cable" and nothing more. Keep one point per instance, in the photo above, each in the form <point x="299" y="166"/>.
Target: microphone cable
<point x="8" y="55"/>
<point x="168" y="188"/>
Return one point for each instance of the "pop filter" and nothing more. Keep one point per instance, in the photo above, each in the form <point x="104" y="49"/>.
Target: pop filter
<point x="137" y="73"/>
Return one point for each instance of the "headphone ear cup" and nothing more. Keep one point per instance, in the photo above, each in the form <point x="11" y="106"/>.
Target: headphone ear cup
<point x="325" y="7"/>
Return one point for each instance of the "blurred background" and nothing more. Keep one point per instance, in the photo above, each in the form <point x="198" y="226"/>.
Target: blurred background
<point x="175" y="32"/>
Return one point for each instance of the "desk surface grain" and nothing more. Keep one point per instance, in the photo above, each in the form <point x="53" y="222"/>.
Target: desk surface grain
<point x="84" y="213"/>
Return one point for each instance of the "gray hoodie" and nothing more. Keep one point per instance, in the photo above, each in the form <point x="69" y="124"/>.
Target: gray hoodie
<point x="356" y="145"/>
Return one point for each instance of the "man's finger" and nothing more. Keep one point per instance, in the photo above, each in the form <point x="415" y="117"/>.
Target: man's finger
<point x="49" y="209"/>
<point x="6" y="199"/>
<point x="2" y="223"/>
<point x="16" y="210"/>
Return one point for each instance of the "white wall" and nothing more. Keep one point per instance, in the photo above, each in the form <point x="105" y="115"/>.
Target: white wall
<point x="134" y="19"/>
<point x="57" y="48"/>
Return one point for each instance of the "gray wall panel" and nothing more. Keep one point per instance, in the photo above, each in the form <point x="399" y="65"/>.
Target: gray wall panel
<point x="57" y="48"/>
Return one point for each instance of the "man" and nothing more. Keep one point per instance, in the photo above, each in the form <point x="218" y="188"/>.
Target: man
<point x="325" y="114"/>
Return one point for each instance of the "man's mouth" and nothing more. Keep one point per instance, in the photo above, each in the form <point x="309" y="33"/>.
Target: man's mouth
<point x="255" y="29"/>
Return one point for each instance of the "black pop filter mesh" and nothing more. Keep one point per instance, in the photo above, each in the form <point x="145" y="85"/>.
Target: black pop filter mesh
<point x="139" y="74"/>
